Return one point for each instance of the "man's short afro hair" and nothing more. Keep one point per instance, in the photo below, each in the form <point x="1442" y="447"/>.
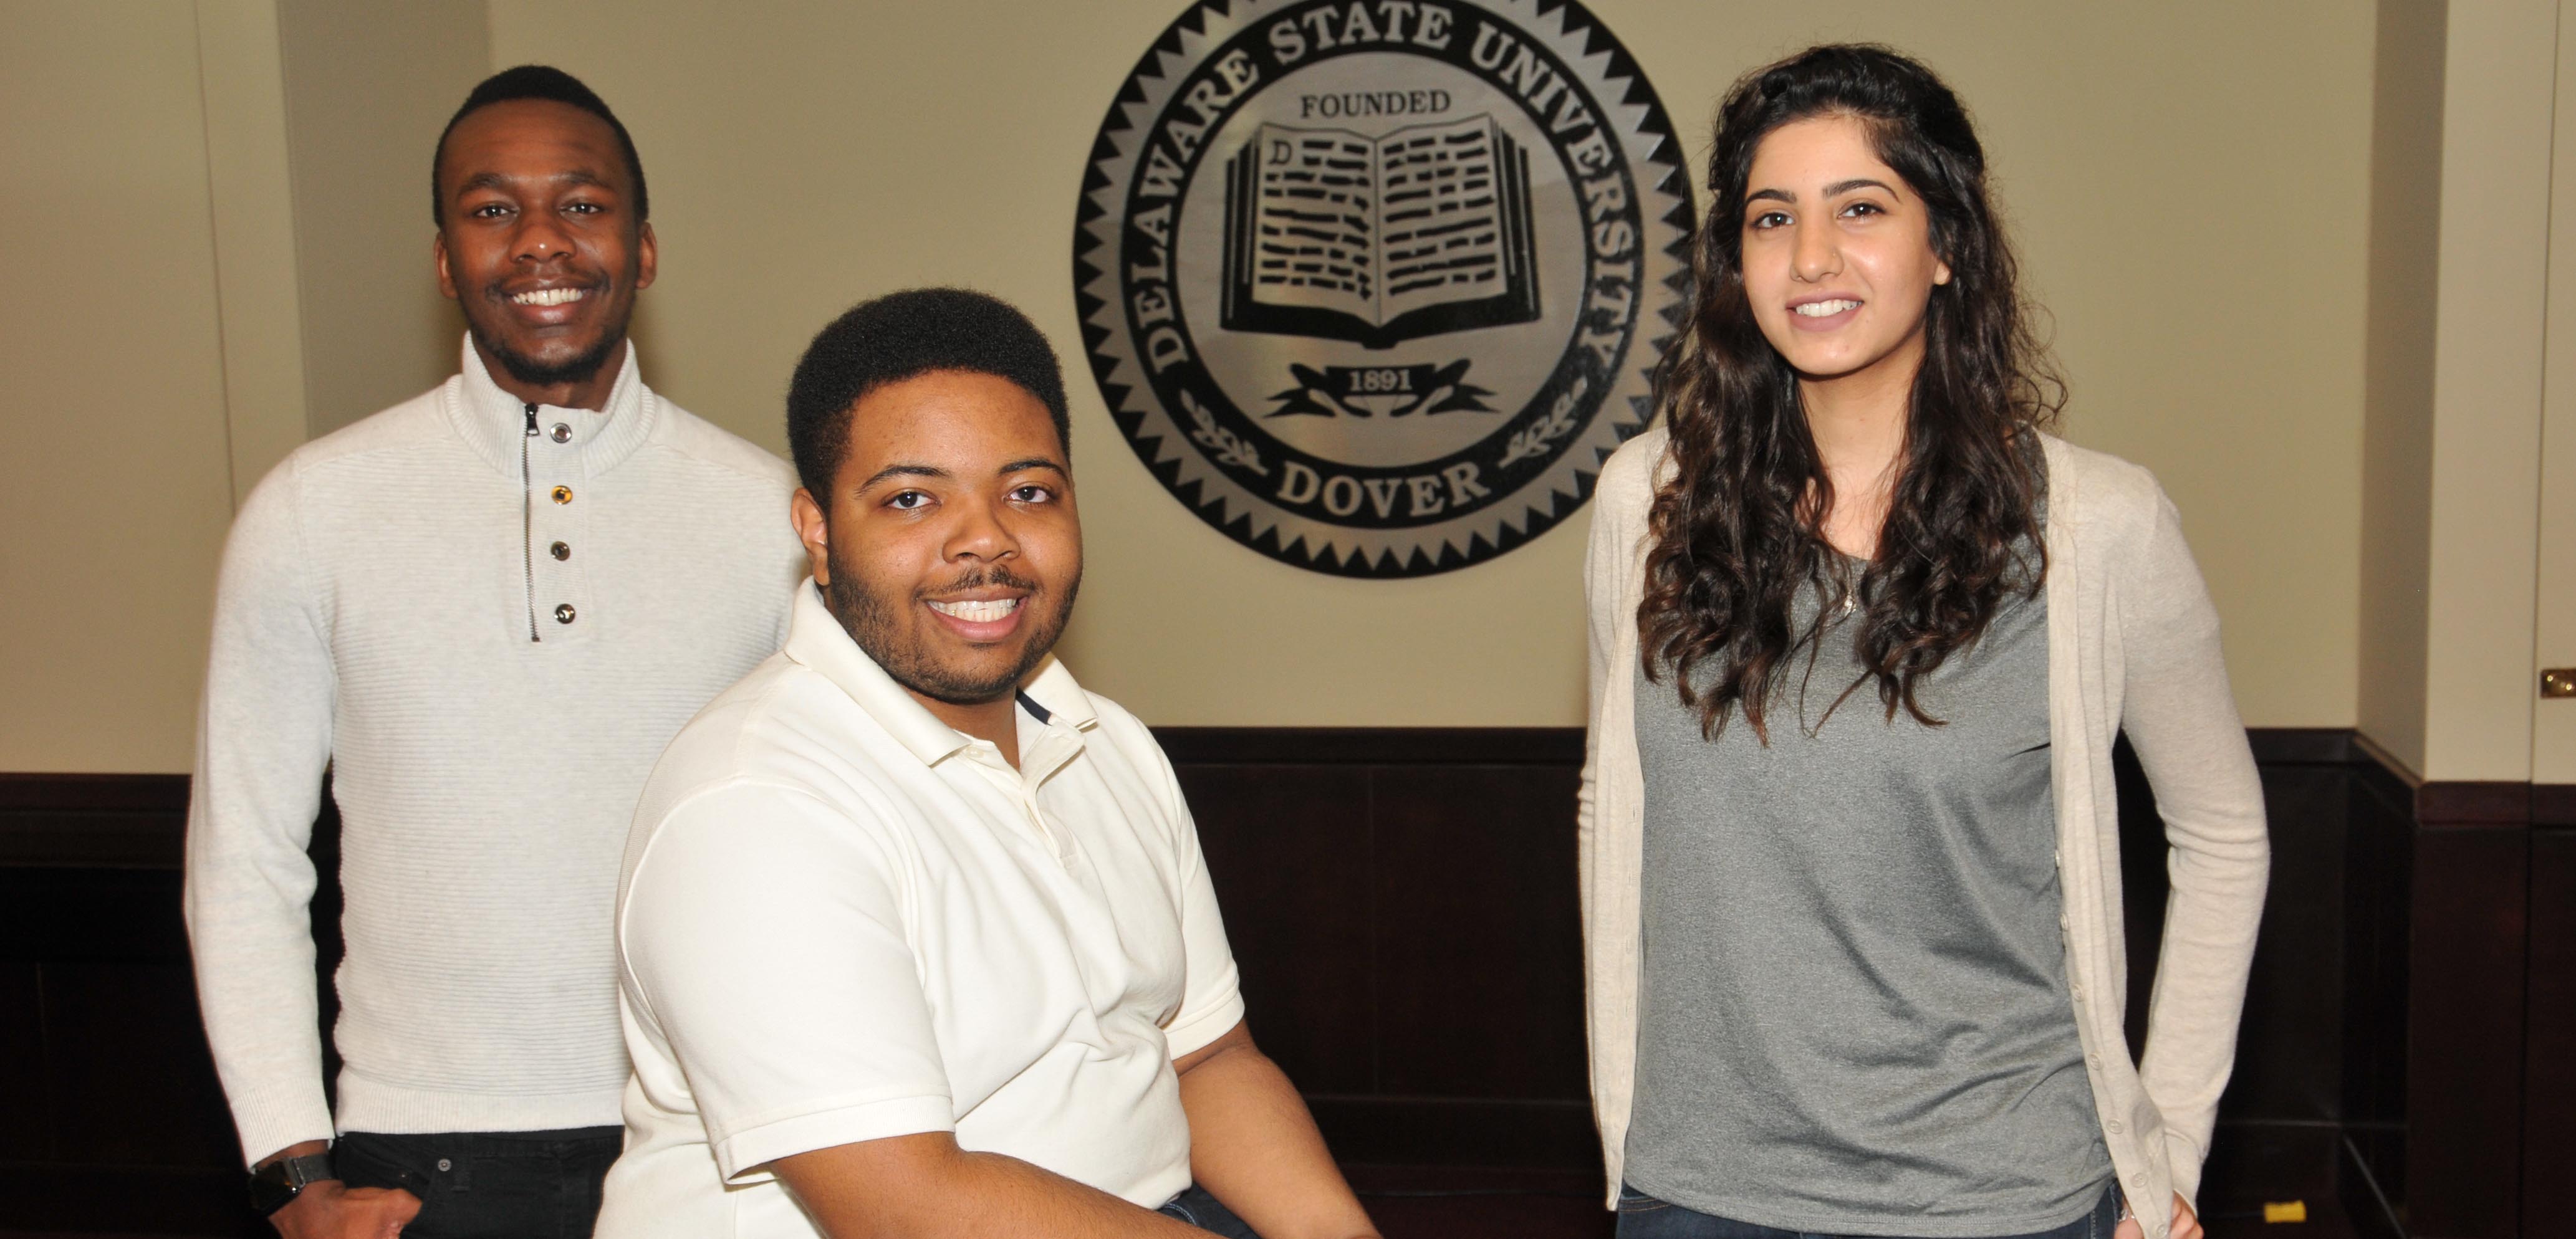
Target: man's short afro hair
<point x="899" y="336"/>
<point x="538" y="82"/>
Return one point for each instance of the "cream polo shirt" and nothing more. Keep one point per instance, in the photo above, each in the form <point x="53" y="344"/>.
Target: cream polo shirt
<point x="842" y="920"/>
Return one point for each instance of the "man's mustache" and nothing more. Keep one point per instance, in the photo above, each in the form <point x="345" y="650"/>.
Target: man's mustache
<point x="979" y="578"/>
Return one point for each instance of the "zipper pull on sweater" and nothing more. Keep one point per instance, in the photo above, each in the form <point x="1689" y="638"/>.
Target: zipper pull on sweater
<point x="528" y="521"/>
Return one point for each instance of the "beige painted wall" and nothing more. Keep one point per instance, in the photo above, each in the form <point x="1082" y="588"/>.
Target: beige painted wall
<point x="114" y="473"/>
<point x="2553" y="721"/>
<point x="2488" y="346"/>
<point x="2467" y="592"/>
<point x="253" y="206"/>
<point x="2397" y="462"/>
<point x="2554" y="616"/>
<point x="206" y="221"/>
<point x="2191" y="202"/>
<point x="368" y="87"/>
<point x="2170" y="174"/>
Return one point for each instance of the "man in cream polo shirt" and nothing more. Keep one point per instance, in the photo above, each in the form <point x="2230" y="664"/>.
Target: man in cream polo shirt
<point x="915" y="933"/>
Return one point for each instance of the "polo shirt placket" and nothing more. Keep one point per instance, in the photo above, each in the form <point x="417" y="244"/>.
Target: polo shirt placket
<point x="1057" y="744"/>
<point x="1083" y="902"/>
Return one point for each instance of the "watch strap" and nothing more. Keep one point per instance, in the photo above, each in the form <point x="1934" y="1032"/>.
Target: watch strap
<point x="275" y="1185"/>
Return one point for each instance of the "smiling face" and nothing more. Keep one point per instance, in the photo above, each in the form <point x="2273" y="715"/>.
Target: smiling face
<point x="1838" y="261"/>
<point x="538" y="244"/>
<point x="952" y="551"/>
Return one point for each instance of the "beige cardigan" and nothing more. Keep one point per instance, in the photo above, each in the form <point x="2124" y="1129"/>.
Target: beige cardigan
<point x="2132" y="645"/>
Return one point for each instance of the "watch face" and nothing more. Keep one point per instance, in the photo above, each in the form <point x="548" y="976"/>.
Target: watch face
<point x="275" y="1185"/>
<point x="269" y="1190"/>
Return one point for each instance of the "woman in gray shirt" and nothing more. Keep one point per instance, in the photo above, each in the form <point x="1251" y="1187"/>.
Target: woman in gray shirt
<point x="1853" y="1008"/>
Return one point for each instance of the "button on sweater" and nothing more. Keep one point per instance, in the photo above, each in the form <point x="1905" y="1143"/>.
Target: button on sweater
<point x="486" y="620"/>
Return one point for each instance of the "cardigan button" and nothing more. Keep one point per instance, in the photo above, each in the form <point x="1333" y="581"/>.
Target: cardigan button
<point x="560" y="550"/>
<point x="562" y="433"/>
<point x="564" y="613"/>
<point x="2113" y="1127"/>
<point x="563" y="494"/>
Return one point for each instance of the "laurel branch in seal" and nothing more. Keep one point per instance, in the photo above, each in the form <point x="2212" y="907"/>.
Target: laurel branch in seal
<point x="1532" y="440"/>
<point x="1593" y="114"/>
<point x="1230" y="448"/>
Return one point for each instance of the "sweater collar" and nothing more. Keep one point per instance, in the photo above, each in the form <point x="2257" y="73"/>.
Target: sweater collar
<point x="495" y="423"/>
<point x="816" y="640"/>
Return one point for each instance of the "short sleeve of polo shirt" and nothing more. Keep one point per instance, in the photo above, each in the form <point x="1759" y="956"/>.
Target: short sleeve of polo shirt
<point x="763" y="932"/>
<point x="1211" y="998"/>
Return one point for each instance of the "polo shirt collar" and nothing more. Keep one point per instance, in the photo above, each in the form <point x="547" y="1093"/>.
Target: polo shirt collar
<point x="495" y="423"/>
<point x="816" y="640"/>
<point x="1064" y="711"/>
<point x="1058" y="700"/>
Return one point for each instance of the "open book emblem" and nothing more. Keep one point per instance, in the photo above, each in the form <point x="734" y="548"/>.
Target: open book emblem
<point x="1420" y="232"/>
<point x="1375" y="288"/>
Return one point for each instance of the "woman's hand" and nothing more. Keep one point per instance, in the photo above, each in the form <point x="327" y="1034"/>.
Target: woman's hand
<point x="2186" y="1224"/>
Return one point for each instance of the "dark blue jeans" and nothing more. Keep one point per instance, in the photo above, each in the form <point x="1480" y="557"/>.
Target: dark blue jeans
<point x="500" y="1185"/>
<point x="1643" y="1217"/>
<point x="1206" y="1212"/>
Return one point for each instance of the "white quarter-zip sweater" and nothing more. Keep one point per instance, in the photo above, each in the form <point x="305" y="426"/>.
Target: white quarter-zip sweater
<point x="486" y="620"/>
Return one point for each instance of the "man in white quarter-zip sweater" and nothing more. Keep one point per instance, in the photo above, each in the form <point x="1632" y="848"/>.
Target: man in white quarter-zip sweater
<point x="484" y="611"/>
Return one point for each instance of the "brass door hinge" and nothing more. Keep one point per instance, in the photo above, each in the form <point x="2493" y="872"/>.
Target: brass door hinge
<point x="2558" y="681"/>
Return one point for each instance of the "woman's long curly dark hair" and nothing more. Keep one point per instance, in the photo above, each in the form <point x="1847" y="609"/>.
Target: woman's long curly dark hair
<point x="1738" y="529"/>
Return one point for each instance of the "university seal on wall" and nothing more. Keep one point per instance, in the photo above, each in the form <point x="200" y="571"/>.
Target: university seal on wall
<point x="1374" y="285"/>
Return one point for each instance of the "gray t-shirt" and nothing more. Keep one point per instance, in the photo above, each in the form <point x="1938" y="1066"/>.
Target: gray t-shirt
<point x="1854" y="1015"/>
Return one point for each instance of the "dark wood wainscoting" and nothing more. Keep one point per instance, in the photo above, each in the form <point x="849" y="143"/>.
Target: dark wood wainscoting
<point x="2549" y="1076"/>
<point x="110" y="1116"/>
<point x="1403" y="906"/>
<point x="2490" y="1091"/>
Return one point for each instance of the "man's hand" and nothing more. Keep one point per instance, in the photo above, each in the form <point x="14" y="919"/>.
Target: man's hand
<point x="2186" y="1224"/>
<point x="329" y="1209"/>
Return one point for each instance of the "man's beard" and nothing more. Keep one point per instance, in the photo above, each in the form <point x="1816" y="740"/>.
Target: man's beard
<point x="534" y="373"/>
<point x="871" y="620"/>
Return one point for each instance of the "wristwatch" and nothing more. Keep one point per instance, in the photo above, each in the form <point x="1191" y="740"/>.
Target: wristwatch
<point x="277" y="1184"/>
